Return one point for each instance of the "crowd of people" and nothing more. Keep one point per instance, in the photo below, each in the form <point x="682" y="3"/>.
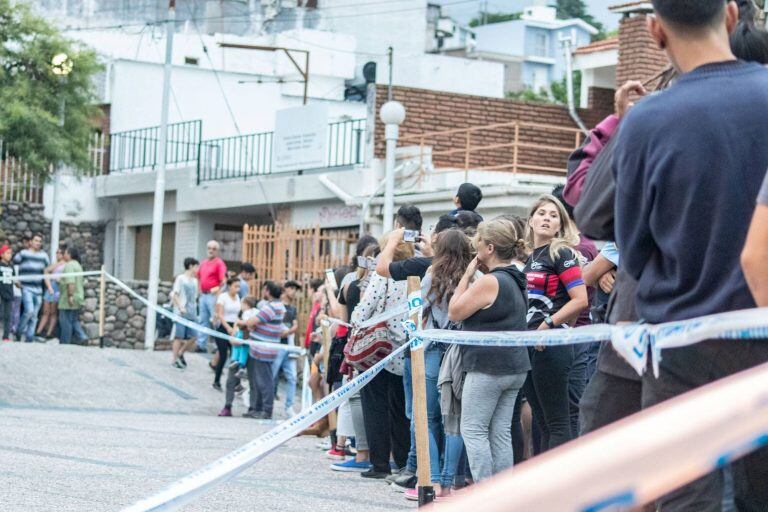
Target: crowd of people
<point x="44" y="306"/>
<point x="669" y="185"/>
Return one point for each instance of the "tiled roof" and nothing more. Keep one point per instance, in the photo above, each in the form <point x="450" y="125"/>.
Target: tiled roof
<point x="598" y="46"/>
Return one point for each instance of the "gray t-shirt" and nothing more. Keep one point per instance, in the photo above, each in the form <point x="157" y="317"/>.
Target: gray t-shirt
<point x="762" y="198"/>
<point x="185" y="288"/>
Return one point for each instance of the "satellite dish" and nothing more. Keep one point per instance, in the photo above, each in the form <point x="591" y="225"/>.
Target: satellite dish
<point x="369" y="72"/>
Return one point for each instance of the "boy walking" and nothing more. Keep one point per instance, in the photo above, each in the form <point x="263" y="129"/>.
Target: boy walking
<point x="6" y="290"/>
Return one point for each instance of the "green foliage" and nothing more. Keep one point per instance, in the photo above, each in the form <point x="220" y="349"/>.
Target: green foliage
<point x="567" y="9"/>
<point x="494" y="17"/>
<point x="558" y="93"/>
<point x="31" y="94"/>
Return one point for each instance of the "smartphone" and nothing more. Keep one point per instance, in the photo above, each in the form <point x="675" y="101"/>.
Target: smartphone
<point x="410" y="235"/>
<point x="330" y="278"/>
<point x="363" y="262"/>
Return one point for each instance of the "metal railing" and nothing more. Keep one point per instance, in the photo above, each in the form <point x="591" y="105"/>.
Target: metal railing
<point x="251" y="155"/>
<point x="137" y="150"/>
<point x="511" y="147"/>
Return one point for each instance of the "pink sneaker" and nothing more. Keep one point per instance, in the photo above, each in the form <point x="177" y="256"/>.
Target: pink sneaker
<point x="225" y="412"/>
<point x="412" y="494"/>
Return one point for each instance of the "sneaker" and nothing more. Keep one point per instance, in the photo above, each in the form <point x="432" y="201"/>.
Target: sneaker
<point x="216" y="386"/>
<point x="349" y="451"/>
<point x="263" y="415"/>
<point x="412" y="494"/>
<point x="251" y="414"/>
<point x="324" y="445"/>
<point x="404" y="482"/>
<point x="225" y="412"/>
<point x="39" y="339"/>
<point x="394" y="475"/>
<point x="290" y="412"/>
<point x="335" y="454"/>
<point x="351" y="466"/>
<point x="373" y="474"/>
<point x="176" y="364"/>
<point x="6" y="340"/>
<point x="183" y="361"/>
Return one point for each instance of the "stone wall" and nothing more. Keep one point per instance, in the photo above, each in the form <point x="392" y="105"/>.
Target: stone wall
<point x="124" y="315"/>
<point x="19" y="219"/>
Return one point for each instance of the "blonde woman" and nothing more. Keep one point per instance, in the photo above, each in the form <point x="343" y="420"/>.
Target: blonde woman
<point x="556" y="297"/>
<point x="494" y="302"/>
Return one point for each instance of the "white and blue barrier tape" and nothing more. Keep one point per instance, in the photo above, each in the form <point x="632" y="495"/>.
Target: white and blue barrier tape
<point x="230" y="465"/>
<point x="633" y="341"/>
<point x="199" y="328"/>
<point x="51" y="277"/>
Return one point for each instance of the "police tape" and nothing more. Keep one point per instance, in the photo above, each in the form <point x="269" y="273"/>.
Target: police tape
<point x="632" y="341"/>
<point x="199" y="328"/>
<point x="400" y="310"/>
<point x="230" y="465"/>
<point x="640" y="458"/>
<point x="5" y="279"/>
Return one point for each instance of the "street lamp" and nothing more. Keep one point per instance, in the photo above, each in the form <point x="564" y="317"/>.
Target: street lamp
<point x="61" y="66"/>
<point x="392" y="115"/>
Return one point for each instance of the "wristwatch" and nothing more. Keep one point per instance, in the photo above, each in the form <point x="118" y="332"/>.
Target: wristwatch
<point x="551" y="323"/>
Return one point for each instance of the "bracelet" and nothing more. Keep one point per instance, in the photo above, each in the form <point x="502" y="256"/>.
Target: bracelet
<point x="551" y="323"/>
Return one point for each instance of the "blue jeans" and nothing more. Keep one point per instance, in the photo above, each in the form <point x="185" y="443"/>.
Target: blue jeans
<point x="584" y="365"/>
<point x="288" y="365"/>
<point x="432" y="358"/>
<point x="454" y="449"/>
<point x="69" y="324"/>
<point x="32" y="303"/>
<point x="207" y="309"/>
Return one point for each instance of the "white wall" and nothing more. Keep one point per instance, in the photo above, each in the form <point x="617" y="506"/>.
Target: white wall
<point x="78" y="201"/>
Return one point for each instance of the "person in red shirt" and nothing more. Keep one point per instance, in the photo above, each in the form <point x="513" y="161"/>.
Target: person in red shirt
<point x="212" y="275"/>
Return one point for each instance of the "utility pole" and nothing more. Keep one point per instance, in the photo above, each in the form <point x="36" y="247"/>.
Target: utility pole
<point x="390" y="52"/>
<point x="157" y="212"/>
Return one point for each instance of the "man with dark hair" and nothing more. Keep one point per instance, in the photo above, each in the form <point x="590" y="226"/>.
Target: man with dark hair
<point x="71" y="297"/>
<point x="247" y="274"/>
<point x="31" y="261"/>
<point x="285" y="361"/>
<point x="467" y="198"/>
<point x="265" y="326"/>
<point x="409" y="217"/>
<point x="700" y="142"/>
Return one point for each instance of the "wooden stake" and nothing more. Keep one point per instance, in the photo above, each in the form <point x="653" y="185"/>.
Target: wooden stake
<point x="102" y="290"/>
<point x="419" y="383"/>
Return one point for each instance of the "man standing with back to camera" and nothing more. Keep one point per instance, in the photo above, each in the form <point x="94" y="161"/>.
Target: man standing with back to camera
<point x="688" y="165"/>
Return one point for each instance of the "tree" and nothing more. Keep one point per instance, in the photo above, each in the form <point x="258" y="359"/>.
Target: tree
<point x="493" y="17"/>
<point x="31" y="94"/>
<point x="568" y="9"/>
<point x="557" y="94"/>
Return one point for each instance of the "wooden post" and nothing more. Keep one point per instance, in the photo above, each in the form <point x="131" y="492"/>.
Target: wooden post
<point x="419" y="383"/>
<point x="102" y="289"/>
<point x="326" y="357"/>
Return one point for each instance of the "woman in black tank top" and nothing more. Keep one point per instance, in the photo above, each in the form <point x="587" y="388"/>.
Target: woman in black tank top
<point x="495" y="302"/>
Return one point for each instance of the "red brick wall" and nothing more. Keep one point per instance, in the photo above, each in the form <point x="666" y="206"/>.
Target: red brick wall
<point x="639" y="56"/>
<point x="431" y="111"/>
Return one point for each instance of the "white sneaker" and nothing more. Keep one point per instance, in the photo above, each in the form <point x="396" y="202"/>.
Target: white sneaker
<point x="324" y="445"/>
<point x="290" y="412"/>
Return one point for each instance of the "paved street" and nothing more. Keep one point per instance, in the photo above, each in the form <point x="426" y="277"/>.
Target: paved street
<point x="85" y="429"/>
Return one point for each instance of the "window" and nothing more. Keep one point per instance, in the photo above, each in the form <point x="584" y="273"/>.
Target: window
<point x="541" y="45"/>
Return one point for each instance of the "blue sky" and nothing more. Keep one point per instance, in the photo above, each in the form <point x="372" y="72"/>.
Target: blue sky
<point x="466" y="11"/>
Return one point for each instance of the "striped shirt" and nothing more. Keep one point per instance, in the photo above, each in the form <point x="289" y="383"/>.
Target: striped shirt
<point x="30" y="264"/>
<point x="269" y="329"/>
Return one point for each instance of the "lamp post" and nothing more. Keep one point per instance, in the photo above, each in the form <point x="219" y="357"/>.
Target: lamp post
<point x="392" y="115"/>
<point x="61" y="66"/>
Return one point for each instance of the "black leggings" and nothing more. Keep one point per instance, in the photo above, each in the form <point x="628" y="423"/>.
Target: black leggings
<point x="223" y="347"/>
<point x="547" y="391"/>
<point x="386" y="425"/>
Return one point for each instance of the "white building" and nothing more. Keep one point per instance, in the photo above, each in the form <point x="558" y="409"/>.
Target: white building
<point x="223" y="168"/>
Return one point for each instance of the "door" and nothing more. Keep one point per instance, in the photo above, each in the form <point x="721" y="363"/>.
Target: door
<point x="143" y="249"/>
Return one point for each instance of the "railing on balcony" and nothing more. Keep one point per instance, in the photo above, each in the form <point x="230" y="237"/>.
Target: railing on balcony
<point x="137" y="150"/>
<point x="512" y="147"/>
<point x="251" y="155"/>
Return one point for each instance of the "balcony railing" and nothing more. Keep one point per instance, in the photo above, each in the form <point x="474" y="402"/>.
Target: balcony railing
<point x="511" y="147"/>
<point x="137" y="150"/>
<point x="251" y="155"/>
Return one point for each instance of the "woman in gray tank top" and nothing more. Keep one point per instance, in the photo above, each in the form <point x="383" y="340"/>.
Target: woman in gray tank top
<point x="495" y="302"/>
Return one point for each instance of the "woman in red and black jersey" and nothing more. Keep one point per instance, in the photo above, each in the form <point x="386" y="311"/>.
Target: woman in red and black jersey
<point x="556" y="297"/>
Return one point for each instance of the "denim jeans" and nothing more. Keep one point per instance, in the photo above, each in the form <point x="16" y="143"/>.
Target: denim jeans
<point x="454" y="448"/>
<point x="288" y="366"/>
<point x="432" y="358"/>
<point x="32" y="303"/>
<point x="69" y="324"/>
<point x="207" y="309"/>
<point x="584" y="363"/>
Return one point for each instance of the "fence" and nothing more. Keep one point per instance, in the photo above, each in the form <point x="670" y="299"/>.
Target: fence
<point x="137" y="150"/>
<point x="510" y="147"/>
<point x="251" y="155"/>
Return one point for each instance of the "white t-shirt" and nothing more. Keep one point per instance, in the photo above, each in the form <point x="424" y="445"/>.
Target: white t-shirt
<point x="230" y="306"/>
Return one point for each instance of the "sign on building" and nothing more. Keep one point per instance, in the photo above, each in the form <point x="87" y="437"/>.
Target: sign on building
<point x="301" y="138"/>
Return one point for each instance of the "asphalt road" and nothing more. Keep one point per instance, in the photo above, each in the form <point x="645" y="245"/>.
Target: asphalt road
<point x="88" y="429"/>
